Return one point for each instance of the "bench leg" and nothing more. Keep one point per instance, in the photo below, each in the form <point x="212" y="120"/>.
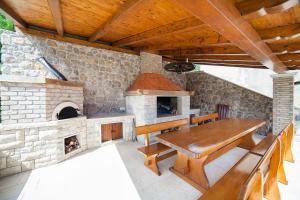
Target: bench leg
<point x="248" y="141"/>
<point x="288" y="150"/>
<point x="191" y="170"/>
<point x="151" y="163"/>
<point x="271" y="190"/>
<point x="281" y="174"/>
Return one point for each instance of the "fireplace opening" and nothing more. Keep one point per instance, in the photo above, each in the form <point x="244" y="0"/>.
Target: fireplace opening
<point x="71" y="144"/>
<point x="166" y="106"/>
<point x="67" y="112"/>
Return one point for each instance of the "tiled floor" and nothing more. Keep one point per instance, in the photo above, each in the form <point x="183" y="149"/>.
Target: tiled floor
<point x="116" y="171"/>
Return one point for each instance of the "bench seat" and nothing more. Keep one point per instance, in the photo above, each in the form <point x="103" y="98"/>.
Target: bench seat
<point x="229" y="186"/>
<point x="153" y="149"/>
<point x="262" y="147"/>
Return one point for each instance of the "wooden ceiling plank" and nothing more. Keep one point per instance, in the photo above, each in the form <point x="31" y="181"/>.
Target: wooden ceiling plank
<point x="251" y="9"/>
<point x="225" y="18"/>
<point x="55" y="9"/>
<point x="172" y="28"/>
<point x="11" y="14"/>
<point x="127" y="7"/>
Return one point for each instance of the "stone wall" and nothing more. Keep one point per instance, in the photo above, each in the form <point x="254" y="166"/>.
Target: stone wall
<point x="244" y="103"/>
<point x="283" y="101"/>
<point x="32" y="145"/>
<point x="105" y="74"/>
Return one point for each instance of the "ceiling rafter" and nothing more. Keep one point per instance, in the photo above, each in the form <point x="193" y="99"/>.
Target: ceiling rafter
<point x="122" y="10"/>
<point x="231" y="65"/>
<point x="251" y="9"/>
<point x="11" y="14"/>
<point x="172" y="28"/>
<point x="225" y="18"/>
<point x="55" y="9"/>
<point x="280" y="33"/>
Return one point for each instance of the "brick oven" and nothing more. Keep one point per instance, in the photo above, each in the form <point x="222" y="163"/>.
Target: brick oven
<point x="41" y="123"/>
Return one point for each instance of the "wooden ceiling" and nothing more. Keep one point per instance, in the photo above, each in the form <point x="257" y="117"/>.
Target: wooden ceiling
<point x="234" y="33"/>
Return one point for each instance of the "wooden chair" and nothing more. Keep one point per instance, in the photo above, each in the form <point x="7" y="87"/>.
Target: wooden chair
<point x="223" y="111"/>
<point x="243" y="181"/>
<point x="288" y="149"/>
<point x="203" y="118"/>
<point x="152" y="151"/>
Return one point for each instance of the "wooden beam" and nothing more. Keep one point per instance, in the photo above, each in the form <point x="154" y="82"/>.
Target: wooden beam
<point x="251" y="9"/>
<point x="172" y="28"/>
<point x="224" y="17"/>
<point x="286" y="47"/>
<point x="11" y="14"/>
<point x="127" y="7"/>
<point x="219" y="40"/>
<point x="230" y="62"/>
<point x="217" y="57"/>
<point x="280" y="33"/>
<point x="231" y="65"/>
<point x="289" y="57"/>
<point x="223" y="50"/>
<point x="76" y="41"/>
<point x="54" y="6"/>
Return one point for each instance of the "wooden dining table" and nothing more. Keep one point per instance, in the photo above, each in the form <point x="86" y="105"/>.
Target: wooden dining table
<point x="199" y="145"/>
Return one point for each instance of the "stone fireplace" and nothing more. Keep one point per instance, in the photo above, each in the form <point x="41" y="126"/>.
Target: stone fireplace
<point x="153" y="98"/>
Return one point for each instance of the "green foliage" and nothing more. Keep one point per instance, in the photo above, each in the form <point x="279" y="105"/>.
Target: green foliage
<point x="6" y="23"/>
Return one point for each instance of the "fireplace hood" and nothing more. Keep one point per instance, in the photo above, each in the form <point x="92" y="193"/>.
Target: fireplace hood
<point x="155" y="84"/>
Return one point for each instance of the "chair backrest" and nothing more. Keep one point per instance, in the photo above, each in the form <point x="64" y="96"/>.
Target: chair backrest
<point x="203" y="118"/>
<point x="148" y="129"/>
<point x="253" y="188"/>
<point x="223" y="111"/>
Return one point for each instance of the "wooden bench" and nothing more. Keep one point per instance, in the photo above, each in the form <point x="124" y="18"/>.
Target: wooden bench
<point x="152" y="151"/>
<point x="201" y="119"/>
<point x="244" y="179"/>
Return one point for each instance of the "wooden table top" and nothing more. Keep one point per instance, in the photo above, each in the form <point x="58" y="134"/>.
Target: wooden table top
<point x="202" y="140"/>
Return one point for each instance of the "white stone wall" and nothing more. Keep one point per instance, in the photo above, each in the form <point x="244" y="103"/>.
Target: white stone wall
<point x="34" y="102"/>
<point x="94" y="128"/>
<point x="32" y="145"/>
<point x="22" y="102"/>
<point x="144" y="107"/>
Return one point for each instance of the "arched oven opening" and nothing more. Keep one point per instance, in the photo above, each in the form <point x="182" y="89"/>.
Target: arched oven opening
<point x="67" y="112"/>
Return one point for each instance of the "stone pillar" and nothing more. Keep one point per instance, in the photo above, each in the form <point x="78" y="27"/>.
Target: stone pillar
<point x="283" y="101"/>
<point x="151" y="63"/>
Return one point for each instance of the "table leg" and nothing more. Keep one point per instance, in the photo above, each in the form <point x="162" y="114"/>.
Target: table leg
<point x="191" y="170"/>
<point x="248" y="141"/>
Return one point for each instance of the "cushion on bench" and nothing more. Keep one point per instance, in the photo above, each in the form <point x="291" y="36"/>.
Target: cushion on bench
<point x="153" y="149"/>
<point x="229" y="186"/>
<point x="262" y="147"/>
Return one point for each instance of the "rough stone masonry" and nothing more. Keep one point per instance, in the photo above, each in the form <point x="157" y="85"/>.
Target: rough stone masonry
<point x="105" y="74"/>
